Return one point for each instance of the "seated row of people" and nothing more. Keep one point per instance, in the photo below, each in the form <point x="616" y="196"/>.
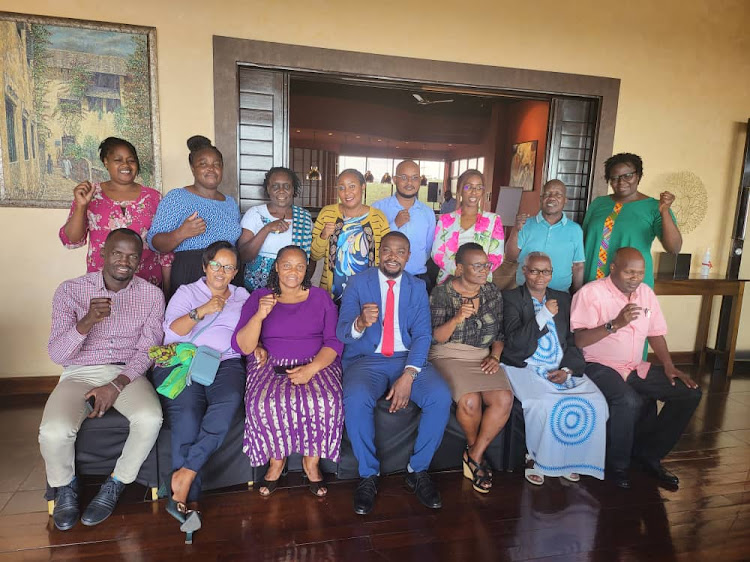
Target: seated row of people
<point x="468" y="342"/>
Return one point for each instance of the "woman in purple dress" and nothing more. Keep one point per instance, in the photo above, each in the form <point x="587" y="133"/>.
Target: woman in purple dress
<point x="293" y="398"/>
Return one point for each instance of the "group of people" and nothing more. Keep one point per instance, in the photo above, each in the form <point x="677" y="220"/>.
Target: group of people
<point x="169" y="278"/>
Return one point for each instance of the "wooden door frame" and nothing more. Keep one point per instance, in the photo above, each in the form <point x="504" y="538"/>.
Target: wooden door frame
<point x="230" y="53"/>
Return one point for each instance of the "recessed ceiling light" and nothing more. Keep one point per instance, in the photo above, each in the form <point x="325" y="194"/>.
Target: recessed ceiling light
<point x="330" y="134"/>
<point x="380" y="140"/>
<point x="398" y="147"/>
<point x="357" y="136"/>
<point x="450" y="145"/>
<point x="299" y="131"/>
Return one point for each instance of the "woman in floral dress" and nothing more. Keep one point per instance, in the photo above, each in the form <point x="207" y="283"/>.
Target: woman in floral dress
<point x="468" y="223"/>
<point x="100" y="208"/>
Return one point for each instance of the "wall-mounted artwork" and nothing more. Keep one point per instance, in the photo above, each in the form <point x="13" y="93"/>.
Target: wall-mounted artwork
<point x="66" y="86"/>
<point x="522" y="165"/>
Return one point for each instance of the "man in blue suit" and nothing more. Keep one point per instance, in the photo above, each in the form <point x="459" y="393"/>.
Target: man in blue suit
<point x="385" y="323"/>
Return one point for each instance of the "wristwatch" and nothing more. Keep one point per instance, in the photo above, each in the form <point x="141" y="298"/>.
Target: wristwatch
<point x="193" y="314"/>
<point x="610" y="328"/>
<point x="413" y="372"/>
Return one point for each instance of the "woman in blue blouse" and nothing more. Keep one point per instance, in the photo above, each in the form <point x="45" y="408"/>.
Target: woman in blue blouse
<point x="190" y="219"/>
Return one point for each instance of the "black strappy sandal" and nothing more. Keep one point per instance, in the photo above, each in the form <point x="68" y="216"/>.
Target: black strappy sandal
<point x="471" y="471"/>
<point x="271" y="485"/>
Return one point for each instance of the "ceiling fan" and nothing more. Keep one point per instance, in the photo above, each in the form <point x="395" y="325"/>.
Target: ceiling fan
<point x="422" y="101"/>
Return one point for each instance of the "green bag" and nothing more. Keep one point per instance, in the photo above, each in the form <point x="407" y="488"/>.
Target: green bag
<point x="179" y="356"/>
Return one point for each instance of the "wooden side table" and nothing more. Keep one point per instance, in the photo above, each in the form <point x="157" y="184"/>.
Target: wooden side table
<point x="708" y="288"/>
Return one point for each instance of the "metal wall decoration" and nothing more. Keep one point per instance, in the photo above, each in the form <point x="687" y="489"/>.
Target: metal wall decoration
<point x="66" y="85"/>
<point x="691" y="199"/>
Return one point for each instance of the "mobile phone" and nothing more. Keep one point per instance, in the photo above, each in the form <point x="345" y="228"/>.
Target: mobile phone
<point x="282" y="369"/>
<point x="89" y="405"/>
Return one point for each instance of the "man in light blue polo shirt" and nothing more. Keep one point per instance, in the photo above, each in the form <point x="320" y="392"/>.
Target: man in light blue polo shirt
<point x="550" y="232"/>
<point x="408" y="215"/>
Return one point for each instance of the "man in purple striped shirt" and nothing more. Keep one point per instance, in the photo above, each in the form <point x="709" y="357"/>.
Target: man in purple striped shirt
<point x="103" y="324"/>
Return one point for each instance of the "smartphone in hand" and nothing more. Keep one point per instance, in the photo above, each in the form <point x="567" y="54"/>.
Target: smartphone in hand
<point x="89" y="405"/>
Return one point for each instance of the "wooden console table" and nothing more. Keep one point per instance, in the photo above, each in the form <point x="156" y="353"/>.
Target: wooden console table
<point x="708" y="288"/>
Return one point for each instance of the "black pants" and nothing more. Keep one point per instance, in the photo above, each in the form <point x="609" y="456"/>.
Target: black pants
<point x="630" y="408"/>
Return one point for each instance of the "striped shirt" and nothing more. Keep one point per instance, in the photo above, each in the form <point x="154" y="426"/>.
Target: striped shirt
<point x="133" y="325"/>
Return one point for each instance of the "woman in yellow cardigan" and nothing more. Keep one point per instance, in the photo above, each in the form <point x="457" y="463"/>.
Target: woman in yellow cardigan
<point x="347" y="234"/>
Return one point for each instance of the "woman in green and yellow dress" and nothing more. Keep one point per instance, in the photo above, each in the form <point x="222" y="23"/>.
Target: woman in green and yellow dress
<point x="627" y="217"/>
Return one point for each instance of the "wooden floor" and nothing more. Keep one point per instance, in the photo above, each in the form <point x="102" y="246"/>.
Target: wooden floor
<point x="707" y="519"/>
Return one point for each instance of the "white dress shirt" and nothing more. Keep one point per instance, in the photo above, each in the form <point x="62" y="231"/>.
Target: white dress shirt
<point x="398" y="344"/>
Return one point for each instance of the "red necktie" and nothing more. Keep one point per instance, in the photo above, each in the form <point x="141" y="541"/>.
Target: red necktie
<point x="387" y="348"/>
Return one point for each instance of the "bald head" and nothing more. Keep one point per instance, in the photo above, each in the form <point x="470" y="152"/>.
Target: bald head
<point x="553" y="200"/>
<point x="407" y="188"/>
<point x="627" y="270"/>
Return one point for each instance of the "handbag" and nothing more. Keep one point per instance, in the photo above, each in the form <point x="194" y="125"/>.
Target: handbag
<point x="204" y="366"/>
<point x="205" y="362"/>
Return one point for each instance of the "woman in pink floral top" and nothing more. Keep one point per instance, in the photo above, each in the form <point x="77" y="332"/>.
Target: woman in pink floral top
<point x="118" y="203"/>
<point x="468" y="223"/>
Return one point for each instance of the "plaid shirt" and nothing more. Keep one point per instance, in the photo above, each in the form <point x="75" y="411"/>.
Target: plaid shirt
<point x="133" y="326"/>
<point x="481" y="329"/>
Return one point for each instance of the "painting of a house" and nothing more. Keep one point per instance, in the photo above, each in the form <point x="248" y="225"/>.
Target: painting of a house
<point x="67" y="85"/>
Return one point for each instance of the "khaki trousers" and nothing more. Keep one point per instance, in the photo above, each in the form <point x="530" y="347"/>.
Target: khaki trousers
<point x="65" y="411"/>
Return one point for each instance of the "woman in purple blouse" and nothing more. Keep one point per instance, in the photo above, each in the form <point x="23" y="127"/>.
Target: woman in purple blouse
<point x="293" y="397"/>
<point x="203" y="313"/>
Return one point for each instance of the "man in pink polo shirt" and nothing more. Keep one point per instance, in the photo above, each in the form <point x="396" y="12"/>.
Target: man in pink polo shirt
<point x="612" y="318"/>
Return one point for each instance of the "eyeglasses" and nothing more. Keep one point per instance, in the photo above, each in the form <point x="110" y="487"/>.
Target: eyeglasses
<point x="216" y="266"/>
<point x="471" y="187"/>
<point x="479" y="267"/>
<point x="627" y="177"/>
<point x="404" y="177"/>
<point x="545" y="272"/>
<point x="276" y="187"/>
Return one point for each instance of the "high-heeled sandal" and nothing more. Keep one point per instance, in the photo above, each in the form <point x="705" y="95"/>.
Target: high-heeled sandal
<point x="192" y="523"/>
<point x="315" y="486"/>
<point x="271" y="485"/>
<point x="471" y="471"/>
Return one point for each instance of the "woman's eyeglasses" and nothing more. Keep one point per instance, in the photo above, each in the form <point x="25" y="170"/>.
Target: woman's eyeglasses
<point x="470" y="187"/>
<point x="479" y="267"/>
<point x="627" y="177"/>
<point x="545" y="272"/>
<point x="216" y="266"/>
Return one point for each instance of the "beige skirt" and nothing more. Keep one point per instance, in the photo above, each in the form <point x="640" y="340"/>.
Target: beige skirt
<point x="461" y="367"/>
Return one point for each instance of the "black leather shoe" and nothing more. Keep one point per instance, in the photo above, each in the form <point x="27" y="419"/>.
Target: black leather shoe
<point x="620" y="478"/>
<point x="421" y="484"/>
<point x="66" y="511"/>
<point x="364" y="495"/>
<point x="104" y="502"/>
<point x="660" y="473"/>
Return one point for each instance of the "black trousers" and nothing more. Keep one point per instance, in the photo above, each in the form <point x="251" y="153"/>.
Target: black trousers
<point x="633" y="429"/>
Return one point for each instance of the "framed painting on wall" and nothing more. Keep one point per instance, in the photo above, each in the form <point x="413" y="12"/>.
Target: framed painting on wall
<point x="522" y="165"/>
<point x="66" y="86"/>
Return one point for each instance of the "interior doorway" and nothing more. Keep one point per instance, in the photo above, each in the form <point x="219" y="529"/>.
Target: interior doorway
<point x="333" y="97"/>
